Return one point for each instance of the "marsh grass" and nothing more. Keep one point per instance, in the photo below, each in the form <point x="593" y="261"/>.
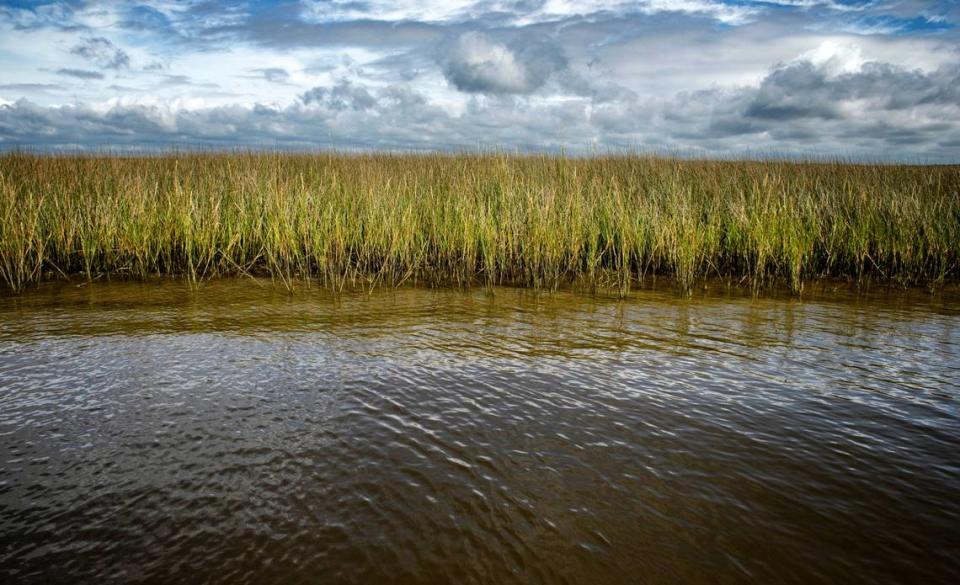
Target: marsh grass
<point x="538" y="221"/>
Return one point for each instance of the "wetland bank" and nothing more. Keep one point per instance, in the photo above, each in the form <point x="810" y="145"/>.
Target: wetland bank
<point x="261" y="368"/>
<point x="537" y="221"/>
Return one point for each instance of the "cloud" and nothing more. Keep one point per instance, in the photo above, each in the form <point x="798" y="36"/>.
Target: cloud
<point x="386" y="10"/>
<point x="169" y="80"/>
<point x="519" y="12"/>
<point x="274" y="74"/>
<point x="342" y="96"/>
<point x="475" y="63"/>
<point x="726" y="13"/>
<point x="57" y="15"/>
<point x="283" y="27"/>
<point x="342" y="116"/>
<point x="29" y="87"/>
<point x="803" y="91"/>
<point x="176" y="80"/>
<point x="717" y="76"/>
<point x="102" y="52"/>
<point x="833" y="58"/>
<point x="878" y="111"/>
<point x="80" y="73"/>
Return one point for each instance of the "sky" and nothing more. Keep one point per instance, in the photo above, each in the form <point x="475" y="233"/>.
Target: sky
<point x="861" y="79"/>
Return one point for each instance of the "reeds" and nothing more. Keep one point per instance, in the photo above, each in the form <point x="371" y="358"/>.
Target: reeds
<point x="539" y="221"/>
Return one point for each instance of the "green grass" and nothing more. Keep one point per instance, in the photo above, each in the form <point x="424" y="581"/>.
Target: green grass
<point x="538" y="221"/>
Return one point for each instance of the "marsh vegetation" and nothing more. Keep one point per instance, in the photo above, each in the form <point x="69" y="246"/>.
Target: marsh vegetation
<point x="538" y="221"/>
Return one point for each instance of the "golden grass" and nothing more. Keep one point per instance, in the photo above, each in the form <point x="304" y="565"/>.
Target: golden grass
<point x="539" y="221"/>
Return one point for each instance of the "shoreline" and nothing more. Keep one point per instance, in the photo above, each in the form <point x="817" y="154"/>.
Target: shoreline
<point x="827" y="289"/>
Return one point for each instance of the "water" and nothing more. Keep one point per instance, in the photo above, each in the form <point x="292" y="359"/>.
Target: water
<point x="241" y="434"/>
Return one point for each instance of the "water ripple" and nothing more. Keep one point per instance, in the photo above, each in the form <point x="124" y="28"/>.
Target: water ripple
<point x="238" y="434"/>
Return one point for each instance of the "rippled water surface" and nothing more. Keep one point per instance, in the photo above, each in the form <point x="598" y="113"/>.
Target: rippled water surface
<point x="243" y="434"/>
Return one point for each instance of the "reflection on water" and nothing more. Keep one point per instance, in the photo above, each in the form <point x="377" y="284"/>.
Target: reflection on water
<point x="243" y="434"/>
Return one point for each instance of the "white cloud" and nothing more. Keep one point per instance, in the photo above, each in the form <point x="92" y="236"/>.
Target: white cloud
<point x="388" y="10"/>
<point x="477" y="64"/>
<point x="835" y="58"/>
<point x="523" y="13"/>
<point x="552" y="10"/>
<point x="823" y="3"/>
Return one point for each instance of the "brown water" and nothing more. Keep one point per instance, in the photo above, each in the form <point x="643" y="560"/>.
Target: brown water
<point x="241" y="434"/>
